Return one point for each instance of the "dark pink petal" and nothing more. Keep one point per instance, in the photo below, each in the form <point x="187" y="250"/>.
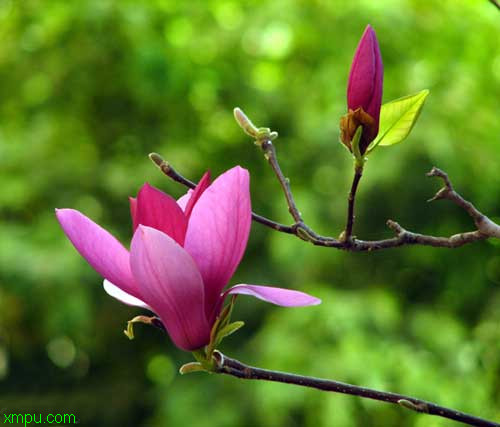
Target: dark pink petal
<point x="101" y="250"/>
<point x="158" y="210"/>
<point x="364" y="88"/>
<point x="278" y="296"/>
<point x="188" y="200"/>
<point x="360" y="84"/>
<point x="117" y="293"/>
<point x="195" y="195"/>
<point x="378" y="82"/>
<point x="218" y="231"/>
<point x="133" y="211"/>
<point x="171" y="285"/>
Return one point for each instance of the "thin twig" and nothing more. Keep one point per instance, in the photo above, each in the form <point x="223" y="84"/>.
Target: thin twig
<point x="233" y="367"/>
<point x="169" y="171"/>
<point x="270" y="155"/>
<point x="486" y="228"/>
<point x="358" y="172"/>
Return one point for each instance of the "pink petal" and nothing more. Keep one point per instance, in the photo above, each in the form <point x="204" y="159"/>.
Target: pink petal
<point x="278" y="296"/>
<point x="183" y="200"/>
<point x="365" y="85"/>
<point x="361" y="85"/>
<point x="101" y="250"/>
<point x="376" y="102"/>
<point x="198" y="191"/>
<point x="171" y="284"/>
<point x="218" y="231"/>
<point x="158" y="210"/>
<point x="123" y="297"/>
<point x="189" y="199"/>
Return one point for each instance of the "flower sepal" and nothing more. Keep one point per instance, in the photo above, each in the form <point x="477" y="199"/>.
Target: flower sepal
<point x="190" y="367"/>
<point x="154" y="321"/>
<point x="222" y="328"/>
<point x="359" y="158"/>
<point x="349" y="126"/>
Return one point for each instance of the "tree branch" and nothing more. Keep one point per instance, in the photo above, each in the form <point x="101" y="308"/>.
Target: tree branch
<point x="169" y="171"/>
<point x="228" y="366"/>
<point x="358" y="172"/>
<point x="495" y="3"/>
<point x="485" y="227"/>
<point x="270" y="155"/>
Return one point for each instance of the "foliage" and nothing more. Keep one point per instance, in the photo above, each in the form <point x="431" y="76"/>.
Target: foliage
<point x="88" y="89"/>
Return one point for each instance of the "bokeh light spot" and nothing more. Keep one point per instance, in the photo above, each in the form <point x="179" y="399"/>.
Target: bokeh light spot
<point x="160" y="369"/>
<point x="61" y="351"/>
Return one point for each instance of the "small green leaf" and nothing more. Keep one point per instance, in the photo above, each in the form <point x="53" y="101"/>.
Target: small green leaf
<point x="229" y="329"/>
<point x="355" y="143"/>
<point x="191" y="367"/>
<point x="398" y="117"/>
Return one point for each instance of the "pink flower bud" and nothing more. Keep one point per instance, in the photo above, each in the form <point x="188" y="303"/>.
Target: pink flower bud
<point x="364" y="90"/>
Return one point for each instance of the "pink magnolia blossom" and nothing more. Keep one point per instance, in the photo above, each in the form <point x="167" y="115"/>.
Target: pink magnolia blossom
<point x="364" y="91"/>
<point x="181" y="257"/>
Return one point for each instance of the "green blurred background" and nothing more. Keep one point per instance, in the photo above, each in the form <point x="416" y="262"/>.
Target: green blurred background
<point x="88" y="89"/>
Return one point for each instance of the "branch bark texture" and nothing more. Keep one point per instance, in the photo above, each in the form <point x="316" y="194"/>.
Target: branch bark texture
<point x="235" y="368"/>
<point x="485" y="227"/>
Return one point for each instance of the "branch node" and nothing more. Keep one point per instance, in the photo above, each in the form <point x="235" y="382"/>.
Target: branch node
<point x="443" y="193"/>
<point x="394" y="226"/>
<point x="440" y="174"/>
<point x="414" y="406"/>
<point x="159" y="161"/>
<point x="218" y="358"/>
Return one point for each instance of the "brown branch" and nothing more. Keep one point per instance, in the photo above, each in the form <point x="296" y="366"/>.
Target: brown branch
<point x="358" y="172"/>
<point x="228" y="366"/>
<point x="270" y="155"/>
<point x="169" y="171"/>
<point x="495" y="3"/>
<point x="486" y="228"/>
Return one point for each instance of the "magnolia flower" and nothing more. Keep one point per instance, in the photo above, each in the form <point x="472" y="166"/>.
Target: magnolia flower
<point x="181" y="257"/>
<point x="364" y="92"/>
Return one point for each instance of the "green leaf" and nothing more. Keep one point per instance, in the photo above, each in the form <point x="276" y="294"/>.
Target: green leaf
<point x="398" y="117"/>
<point x="355" y="143"/>
<point x="229" y="329"/>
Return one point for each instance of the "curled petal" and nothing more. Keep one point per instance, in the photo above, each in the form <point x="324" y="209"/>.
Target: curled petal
<point x="218" y="231"/>
<point x="101" y="250"/>
<point x="278" y="296"/>
<point x="189" y="199"/>
<point x="196" y="194"/>
<point x="122" y="296"/>
<point x="158" y="210"/>
<point x="171" y="285"/>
